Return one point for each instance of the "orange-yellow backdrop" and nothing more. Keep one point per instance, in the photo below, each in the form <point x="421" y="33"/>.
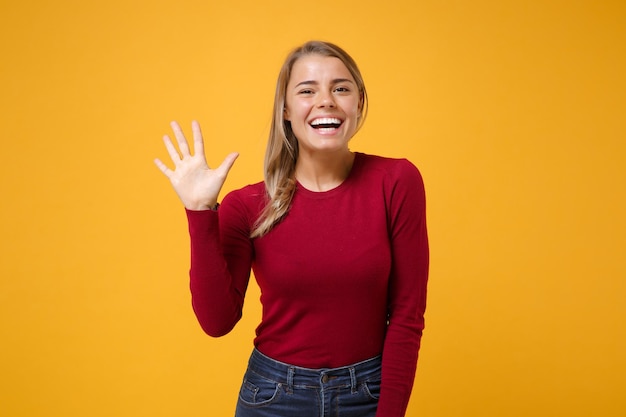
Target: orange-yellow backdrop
<point x="514" y="111"/>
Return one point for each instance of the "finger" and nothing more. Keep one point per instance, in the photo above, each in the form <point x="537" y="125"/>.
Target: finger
<point x="171" y="150"/>
<point x="227" y="164"/>
<point x="198" y="141"/>
<point x="180" y="138"/>
<point x="162" y="167"/>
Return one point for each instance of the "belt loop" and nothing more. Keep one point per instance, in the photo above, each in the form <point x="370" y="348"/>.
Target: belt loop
<point x="290" y="373"/>
<point x="353" y="380"/>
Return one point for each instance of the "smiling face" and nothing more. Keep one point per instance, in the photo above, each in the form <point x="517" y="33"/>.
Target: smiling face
<point x="322" y="103"/>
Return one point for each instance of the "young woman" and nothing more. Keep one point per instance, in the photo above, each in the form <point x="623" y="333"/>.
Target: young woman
<point x="336" y="240"/>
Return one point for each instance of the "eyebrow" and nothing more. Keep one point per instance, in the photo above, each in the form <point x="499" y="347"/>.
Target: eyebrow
<point x="335" y="81"/>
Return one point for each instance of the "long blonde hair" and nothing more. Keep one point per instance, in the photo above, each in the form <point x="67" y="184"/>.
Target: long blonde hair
<point x="282" y="145"/>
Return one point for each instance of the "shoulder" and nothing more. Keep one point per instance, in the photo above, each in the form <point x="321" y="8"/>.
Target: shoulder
<point x="392" y="169"/>
<point x="240" y="208"/>
<point x="402" y="187"/>
<point x="249" y="196"/>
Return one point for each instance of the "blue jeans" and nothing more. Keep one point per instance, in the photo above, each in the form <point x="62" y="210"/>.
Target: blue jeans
<point x="275" y="389"/>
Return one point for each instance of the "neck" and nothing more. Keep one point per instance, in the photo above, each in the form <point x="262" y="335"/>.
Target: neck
<point x="323" y="173"/>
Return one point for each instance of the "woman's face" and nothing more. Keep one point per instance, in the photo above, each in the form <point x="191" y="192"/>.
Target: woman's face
<point x="323" y="104"/>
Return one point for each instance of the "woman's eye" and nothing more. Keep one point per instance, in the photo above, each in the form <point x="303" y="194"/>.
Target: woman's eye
<point x="306" y="92"/>
<point x="342" y="89"/>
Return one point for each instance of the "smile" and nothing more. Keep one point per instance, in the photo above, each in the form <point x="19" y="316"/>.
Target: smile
<point x="326" y="123"/>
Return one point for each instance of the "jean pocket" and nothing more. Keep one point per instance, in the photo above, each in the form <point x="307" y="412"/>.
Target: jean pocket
<point x="257" y="391"/>
<point x="372" y="388"/>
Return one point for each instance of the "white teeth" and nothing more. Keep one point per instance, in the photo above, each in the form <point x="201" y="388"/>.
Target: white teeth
<point x="326" y="121"/>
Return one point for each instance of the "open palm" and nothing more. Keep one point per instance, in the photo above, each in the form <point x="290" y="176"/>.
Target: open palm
<point x="196" y="184"/>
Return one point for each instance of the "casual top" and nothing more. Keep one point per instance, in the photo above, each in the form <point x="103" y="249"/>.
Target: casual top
<point x="342" y="276"/>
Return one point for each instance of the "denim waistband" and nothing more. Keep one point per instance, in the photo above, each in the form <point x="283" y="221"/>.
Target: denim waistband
<point x="325" y="378"/>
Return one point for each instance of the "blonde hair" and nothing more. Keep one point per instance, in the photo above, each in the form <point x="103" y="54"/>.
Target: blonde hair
<point x="282" y="145"/>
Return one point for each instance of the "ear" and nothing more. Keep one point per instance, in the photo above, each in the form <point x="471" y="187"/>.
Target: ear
<point x="286" y="114"/>
<point x="361" y="101"/>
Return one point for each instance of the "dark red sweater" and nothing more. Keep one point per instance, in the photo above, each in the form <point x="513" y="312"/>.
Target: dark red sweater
<point x="342" y="276"/>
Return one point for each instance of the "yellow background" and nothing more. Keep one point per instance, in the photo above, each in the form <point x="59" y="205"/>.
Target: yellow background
<point x="514" y="111"/>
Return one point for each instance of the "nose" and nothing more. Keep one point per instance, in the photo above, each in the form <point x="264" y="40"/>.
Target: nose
<point x="326" y="99"/>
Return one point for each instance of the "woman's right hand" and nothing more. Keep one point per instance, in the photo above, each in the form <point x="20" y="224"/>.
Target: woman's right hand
<point x="196" y="184"/>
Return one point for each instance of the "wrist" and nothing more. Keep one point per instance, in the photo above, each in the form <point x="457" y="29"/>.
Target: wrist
<point x="202" y="207"/>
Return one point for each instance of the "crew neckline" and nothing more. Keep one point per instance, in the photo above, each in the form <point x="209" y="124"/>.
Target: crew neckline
<point x="305" y="192"/>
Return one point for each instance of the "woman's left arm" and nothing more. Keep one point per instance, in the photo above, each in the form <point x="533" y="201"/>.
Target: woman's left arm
<point x="407" y="287"/>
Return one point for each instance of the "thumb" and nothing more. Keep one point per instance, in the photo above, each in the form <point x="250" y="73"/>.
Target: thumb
<point x="227" y="164"/>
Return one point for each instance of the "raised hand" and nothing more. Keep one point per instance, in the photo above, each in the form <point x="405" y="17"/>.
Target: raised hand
<point x="196" y="184"/>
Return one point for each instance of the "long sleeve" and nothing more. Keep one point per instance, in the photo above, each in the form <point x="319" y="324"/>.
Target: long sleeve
<point x="407" y="289"/>
<point x="221" y="257"/>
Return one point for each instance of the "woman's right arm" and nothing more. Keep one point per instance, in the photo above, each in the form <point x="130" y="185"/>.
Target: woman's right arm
<point x="217" y="278"/>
